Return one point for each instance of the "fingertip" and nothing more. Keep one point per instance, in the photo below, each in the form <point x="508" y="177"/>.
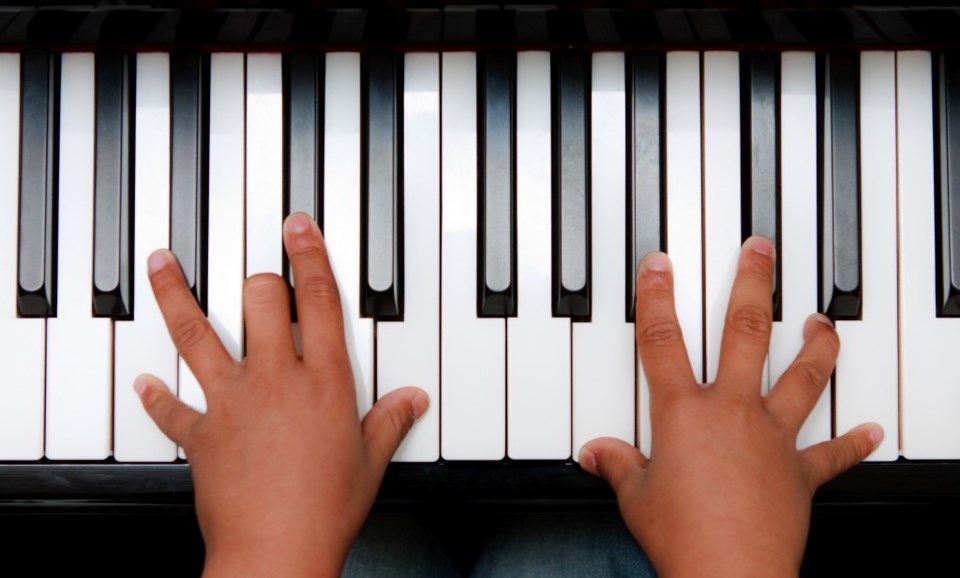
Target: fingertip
<point x="298" y="223"/>
<point x="814" y="322"/>
<point x="657" y="262"/>
<point x="158" y="260"/>
<point x="420" y="402"/>
<point x="873" y="432"/>
<point x="760" y="244"/>
<point x="588" y="461"/>
<point x="144" y="384"/>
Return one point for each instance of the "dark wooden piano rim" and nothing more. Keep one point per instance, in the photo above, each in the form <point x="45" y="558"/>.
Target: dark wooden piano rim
<point x="430" y="25"/>
<point x="507" y="483"/>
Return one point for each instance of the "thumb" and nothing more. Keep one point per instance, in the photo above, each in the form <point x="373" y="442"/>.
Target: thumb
<point x="829" y="459"/>
<point x="389" y="421"/>
<point x="614" y="460"/>
<point x="172" y="416"/>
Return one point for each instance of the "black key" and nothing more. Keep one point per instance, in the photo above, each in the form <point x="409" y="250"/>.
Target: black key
<point x="303" y="75"/>
<point x="760" y="153"/>
<point x="381" y="252"/>
<point x="39" y="131"/>
<point x="646" y="218"/>
<point x="497" y="247"/>
<point x="571" y="184"/>
<point x="839" y="200"/>
<point x="189" y="128"/>
<point x="948" y="184"/>
<point x="113" y="186"/>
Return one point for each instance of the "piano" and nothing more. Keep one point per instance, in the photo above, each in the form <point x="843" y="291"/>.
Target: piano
<point x="487" y="178"/>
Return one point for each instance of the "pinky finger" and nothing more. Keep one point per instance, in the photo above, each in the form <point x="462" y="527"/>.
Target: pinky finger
<point x="172" y="416"/>
<point x="829" y="459"/>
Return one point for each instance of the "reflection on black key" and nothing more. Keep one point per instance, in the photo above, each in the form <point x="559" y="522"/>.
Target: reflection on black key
<point x="381" y="252"/>
<point x="113" y="186"/>
<point x="189" y="127"/>
<point x="839" y="186"/>
<point x="948" y="183"/>
<point x="39" y="130"/>
<point x="646" y="224"/>
<point x="571" y="184"/>
<point x="303" y="75"/>
<point x="760" y="153"/>
<point x="303" y="132"/>
<point x="497" y="249"/>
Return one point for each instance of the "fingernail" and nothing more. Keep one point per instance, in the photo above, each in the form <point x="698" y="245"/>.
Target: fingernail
<point x="157" y="260"/>
<point x="656" y="261"/>
<point x="140" y="385"/>
<point x="760" y="245"/>
<point x="588" y="461"/>
<point x="420" y="403"/>
<point x="819" y="318"/>
<point x="298" y="223"/>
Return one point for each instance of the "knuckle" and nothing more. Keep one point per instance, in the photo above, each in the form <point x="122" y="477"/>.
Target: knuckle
<point x="189" y="332"/>
<point x="660" y="333"/>
<point x="751" y="320"/>
<point x="319" y="291"/>
<point x="838" y="459"/>
<point x="399" y="424"/>
<point x="810" y="374"/>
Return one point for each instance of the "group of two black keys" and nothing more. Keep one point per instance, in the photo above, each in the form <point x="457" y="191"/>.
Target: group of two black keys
<point x="381" y="288"/>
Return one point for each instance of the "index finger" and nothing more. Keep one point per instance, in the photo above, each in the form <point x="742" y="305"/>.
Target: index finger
<point x="748" y="324"/>
<point x="192" y="335"/>
<point x="319" y="310"/>
<point x="663" y="354"/>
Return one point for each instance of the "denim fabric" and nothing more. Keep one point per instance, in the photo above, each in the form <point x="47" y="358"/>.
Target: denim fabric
<point x="554" y="545"/>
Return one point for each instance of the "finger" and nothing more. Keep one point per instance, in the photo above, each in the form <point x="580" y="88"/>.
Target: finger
<point x="174" y="418"/>
<point x="829" y="459"/>
<point x="659" y="337"/>
<point x="802" y="384"/>
<point x="192" y="335"/>
<point x="746" y="331"/>
<point x="266" y="310"/>
<point x="388" y="422"/>
<point x="318" y="299"/>
<point x="614" y="460"/>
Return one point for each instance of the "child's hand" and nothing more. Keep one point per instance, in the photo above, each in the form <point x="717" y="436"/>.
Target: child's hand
<point x="284" y="471"/>
<point x="725" y="492"/>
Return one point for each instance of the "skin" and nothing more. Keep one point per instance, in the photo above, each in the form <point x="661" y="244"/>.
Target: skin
<point x="284" y="470"/>
<point x="725" y="491"/>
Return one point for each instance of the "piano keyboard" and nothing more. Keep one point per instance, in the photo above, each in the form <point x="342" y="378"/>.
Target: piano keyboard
<point x="484" y="214"/>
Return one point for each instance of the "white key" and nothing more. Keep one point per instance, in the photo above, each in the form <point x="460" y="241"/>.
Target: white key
<point x="721" y="169"/>
<point x="79" y="346"/>
<point x="143" y="345"/>
<point x="798" y="235"/>
<point x="930" y="392"/>
<point x="226" y="228"/>
<point x="408" y="352"/>
<point x="225" y="241"/>
<point x="472" y="364"/>
<point x="22" y="341"/>
<point x="538" y="345"/>
<point x="604" y="350"/>
<point x="341" y="212"/>
<point x="866" y="384"/>
<point x="684" y="206"/>
<point x="264" y="164"/>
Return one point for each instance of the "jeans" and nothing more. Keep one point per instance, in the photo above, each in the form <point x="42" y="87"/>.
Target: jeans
<point x="424" y="545"/>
